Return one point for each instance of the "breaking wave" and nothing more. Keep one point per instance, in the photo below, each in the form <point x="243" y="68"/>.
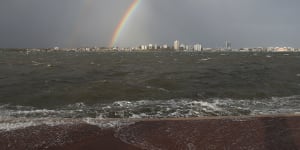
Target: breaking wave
<point x="117" y="113"/>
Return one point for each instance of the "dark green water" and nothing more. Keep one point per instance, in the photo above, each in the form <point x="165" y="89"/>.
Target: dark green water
<point x="147" y="84"/>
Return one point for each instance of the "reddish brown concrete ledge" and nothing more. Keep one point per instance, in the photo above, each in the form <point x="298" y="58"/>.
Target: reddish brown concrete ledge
<point x="258" y="133"/>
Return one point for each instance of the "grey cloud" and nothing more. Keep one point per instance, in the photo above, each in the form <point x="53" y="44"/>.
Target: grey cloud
<point x="76" y="23"/>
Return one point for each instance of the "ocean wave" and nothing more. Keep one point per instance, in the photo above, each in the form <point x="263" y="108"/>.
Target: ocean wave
<point x="116" y="114"/>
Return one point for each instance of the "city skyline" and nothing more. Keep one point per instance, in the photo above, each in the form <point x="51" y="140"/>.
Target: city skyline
<point x="75" y="23"/>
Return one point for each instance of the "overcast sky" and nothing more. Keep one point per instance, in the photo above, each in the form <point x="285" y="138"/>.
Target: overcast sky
<point x="79" y="23"/>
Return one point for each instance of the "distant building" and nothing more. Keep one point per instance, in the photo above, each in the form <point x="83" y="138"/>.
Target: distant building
<point x="281" y="49"/>
<point x="176" y="45"/>
<point x="165" y="46"/>
<point x="187" y="47"/>
<point x="143" y="47"/>
<point x="227" y="45"/>
<point x="182" y="47"/>
<point x="197" y="47"/>
<point x="150" y="46"/>
<point x="56" y="48"/>
<point x="155" y="46"/>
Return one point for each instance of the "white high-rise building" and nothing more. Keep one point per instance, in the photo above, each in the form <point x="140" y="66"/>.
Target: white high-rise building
<point x="150" y="46"/>
<point x="197" y="47"/>
<point x="144" y="47"/>
<point x="165" y="46"/>
<point x="182" y="47"/>
<point x="228" y="45"/>
<point x="155" y="46"/>
<point x="176" y="45"/>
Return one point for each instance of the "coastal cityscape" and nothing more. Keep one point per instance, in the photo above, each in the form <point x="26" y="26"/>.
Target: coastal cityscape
<point x="149" y="75"/>
<point x="176" y="46"/>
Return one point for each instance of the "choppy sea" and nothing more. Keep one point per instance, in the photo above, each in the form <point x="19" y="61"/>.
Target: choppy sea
<point x="65" y="87"/>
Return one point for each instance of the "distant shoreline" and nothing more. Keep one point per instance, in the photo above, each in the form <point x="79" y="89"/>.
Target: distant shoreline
<point x="142" y="51"/>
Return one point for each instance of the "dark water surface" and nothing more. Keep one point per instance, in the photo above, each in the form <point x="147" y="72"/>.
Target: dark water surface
<point x="147" y="84"/>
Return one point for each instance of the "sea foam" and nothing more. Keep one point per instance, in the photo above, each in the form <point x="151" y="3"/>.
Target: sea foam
<point x="117" y="113"/>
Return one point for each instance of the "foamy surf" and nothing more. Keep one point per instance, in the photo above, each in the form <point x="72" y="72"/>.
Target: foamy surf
<point x="117" y="113"/>
<point x="10" y="123"/>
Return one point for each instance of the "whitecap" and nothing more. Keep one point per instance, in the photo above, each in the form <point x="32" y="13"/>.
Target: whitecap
<point x="13" y="117"/>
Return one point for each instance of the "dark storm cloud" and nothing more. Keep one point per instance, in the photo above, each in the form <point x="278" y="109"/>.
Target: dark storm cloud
<point x="246" y="23"/>
<point x="75" y="23"/>
<point x="66" y="23"/>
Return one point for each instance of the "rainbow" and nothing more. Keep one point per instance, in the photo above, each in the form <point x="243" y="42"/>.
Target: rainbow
<point x="123" y="22"/>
